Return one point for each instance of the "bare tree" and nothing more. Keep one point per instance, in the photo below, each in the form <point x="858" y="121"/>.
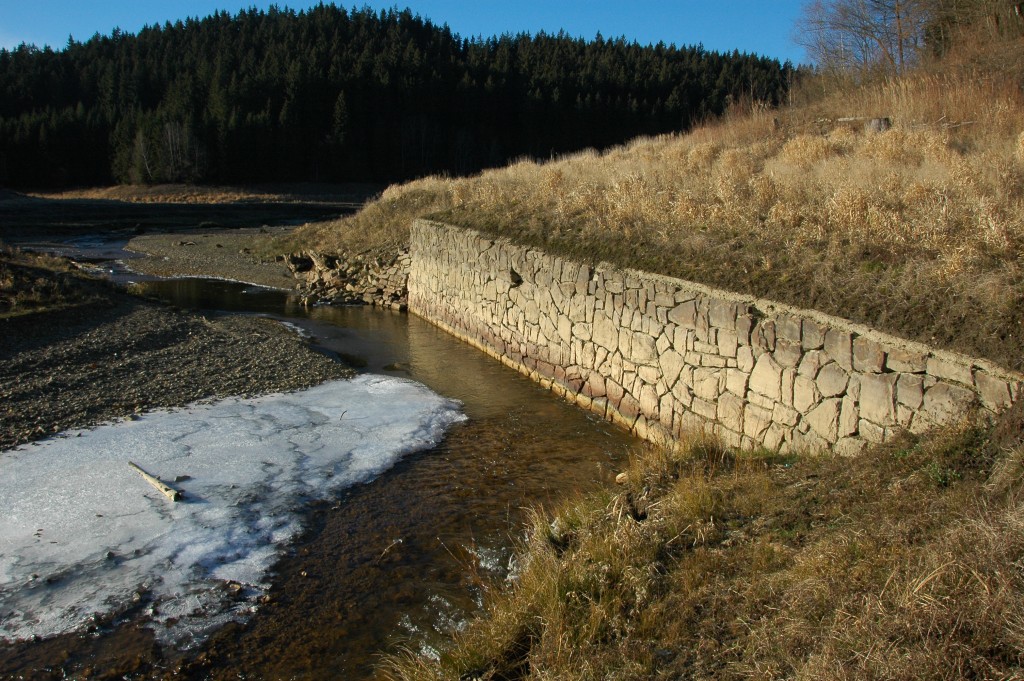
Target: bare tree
<point x="865" y="36"/>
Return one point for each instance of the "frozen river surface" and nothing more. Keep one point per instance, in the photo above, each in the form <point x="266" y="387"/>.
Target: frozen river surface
<point x="83" y="538"/>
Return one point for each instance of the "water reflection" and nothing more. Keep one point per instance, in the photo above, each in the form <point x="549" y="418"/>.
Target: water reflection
<point x="397" y="560"/>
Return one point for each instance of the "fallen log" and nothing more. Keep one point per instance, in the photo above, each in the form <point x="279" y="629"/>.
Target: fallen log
<point x="166" y="490"/>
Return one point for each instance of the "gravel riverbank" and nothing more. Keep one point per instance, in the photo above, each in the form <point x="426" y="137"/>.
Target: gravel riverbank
<point x="118" y="355"/>
<point x="239" y="254"/>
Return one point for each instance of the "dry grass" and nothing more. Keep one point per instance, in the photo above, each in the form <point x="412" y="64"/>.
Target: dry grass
<point x="215" y="195"/>
<point x="903" y="563"/>
<point x="33" y="283"/>
<point x="790" y="205"/>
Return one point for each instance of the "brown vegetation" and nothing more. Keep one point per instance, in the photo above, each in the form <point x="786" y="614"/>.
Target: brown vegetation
<point x="902" y="564"/>
<point x="32" y="283"/>
<point x="794" y="205"/>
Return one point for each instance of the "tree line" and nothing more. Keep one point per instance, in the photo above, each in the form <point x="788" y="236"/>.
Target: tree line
<point x="329" y="94"/>
<point x="870" y="39"/>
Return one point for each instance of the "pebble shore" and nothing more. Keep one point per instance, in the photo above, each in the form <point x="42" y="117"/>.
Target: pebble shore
<point x="109" y="359"/>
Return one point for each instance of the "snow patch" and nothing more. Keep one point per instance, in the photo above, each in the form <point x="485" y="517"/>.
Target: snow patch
<point x="84" y="538"/>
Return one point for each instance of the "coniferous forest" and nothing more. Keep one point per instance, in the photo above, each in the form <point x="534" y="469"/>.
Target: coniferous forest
<point x="330" y="94"/>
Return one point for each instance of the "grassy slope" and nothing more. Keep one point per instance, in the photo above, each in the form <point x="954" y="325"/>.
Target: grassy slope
<point x="903" y="564"/>
<point x="787" y="205"/>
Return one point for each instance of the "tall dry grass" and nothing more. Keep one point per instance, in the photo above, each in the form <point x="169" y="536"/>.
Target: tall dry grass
<point x="901" y="564"/>
<point x="795" y="205"/>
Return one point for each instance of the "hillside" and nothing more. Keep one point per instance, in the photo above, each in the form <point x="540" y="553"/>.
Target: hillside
<point x="794" y="205"/>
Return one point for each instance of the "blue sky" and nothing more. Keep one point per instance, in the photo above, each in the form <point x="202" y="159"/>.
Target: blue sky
<point x="760" y="26"/>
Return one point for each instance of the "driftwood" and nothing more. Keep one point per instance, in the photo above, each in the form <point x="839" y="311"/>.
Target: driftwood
<point x="167" y="491"/>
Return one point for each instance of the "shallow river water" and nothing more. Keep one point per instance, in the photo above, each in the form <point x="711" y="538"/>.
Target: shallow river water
<point x="402" y="561"/>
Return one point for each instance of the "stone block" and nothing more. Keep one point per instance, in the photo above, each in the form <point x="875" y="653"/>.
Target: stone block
<point x="736" y="381"/>
<point x="690" y="423"/>
<point x="824" y="419"/>
<point x="606" y="334"/>
<point x="745" y="359"/>
<point x="613" y="283"/>
<point x="650" y="402"/>
<point x="666" y="410"/>
<point x="789" y="329"/>
<point x="614" y="392"/>
<point x="730" y="411"/>
<point x="904" y="415"/>
<point x="853" y="389"/>
<point x="565" y="328"/>
<point x="682" y="393"/>
<point x="871" y="432"/>
<point x="648" y="374"/>
<point x="945" y="403"/>
<point x="877" y="398"/>
<point x="868" y="356"/>
<point x="707" y="383"/>
<point x="761" y="401"/>
<point x="774" y="437"/>
<point x="849" y="416"/>
<point x="805" y="394"/>
<point x="713" y="361"/>
<point x="906" y="361"/>
<point x="595" y="386"/>
<point x="664" y="342"/>
<point x="786" y="416"/>
<point x="910" y="390"/>
<point x="951" y="371"/>
<point x="994" y="392"/>
<point x="766" y="378"/>
<point x="625" y="343"/>
<point x="763" y="336"/>
<point x="722" y="314"/>
<point x="813" y="336"/>
<point x="744" y="327"/>
<point x="756" y="421"/>
<point x="788" y="353"/>
<point x="582" y="331"/>
<point x="728" y="343"/>
<point x="683" y="295"/>
<point x="708" y="410"/>
<point x="812" y="361"/>
<point x="705" y="348"/>
<point x="671" y="363"/>
<point x="832" y="380"/>
<point x="788" y="379"/>
<point x="684" y="314"/>
<point x="644" y="349"/>
<point x="839" y="346"/>
<point x="849" y="446"/>
<point x="664" y="299"/>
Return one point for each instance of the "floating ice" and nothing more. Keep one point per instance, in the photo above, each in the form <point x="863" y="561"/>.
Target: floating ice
<point x="83" y="536"/>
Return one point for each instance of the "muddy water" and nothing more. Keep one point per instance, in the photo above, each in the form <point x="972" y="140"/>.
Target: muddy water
<point x="404" y="560"/>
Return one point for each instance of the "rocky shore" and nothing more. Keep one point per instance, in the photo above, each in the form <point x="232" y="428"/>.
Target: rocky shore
<point x="239" y="254"/>
<point x="119" y="355"/>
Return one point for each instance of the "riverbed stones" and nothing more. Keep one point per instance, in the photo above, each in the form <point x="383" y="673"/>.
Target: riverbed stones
<point x="661" y="355"/>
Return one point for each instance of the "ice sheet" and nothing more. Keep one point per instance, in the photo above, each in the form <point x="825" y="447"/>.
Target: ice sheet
<point x="84" y="538"/>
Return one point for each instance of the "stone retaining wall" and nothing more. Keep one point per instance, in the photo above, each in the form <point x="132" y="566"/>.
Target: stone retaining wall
<point x="661" y="356"/>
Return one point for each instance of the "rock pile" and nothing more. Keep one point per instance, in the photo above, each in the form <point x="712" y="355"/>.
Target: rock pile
<point x="353" y="278"/>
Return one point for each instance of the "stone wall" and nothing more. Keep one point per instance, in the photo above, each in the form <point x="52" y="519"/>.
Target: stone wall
<point x="661" y="356"/>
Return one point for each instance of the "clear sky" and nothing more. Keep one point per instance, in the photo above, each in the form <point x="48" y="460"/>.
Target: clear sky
<point x="763" y="27"/>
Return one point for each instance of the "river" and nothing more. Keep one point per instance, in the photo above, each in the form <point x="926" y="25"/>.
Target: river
<point x="404" y="560"/>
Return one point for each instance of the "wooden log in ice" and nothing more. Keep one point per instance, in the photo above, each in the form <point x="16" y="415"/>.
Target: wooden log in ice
<point x="166" y="490"/>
